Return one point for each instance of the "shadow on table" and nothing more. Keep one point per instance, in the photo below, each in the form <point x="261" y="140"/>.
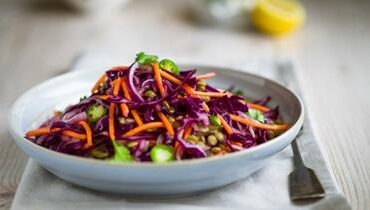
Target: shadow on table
<point x="52" y="6"/>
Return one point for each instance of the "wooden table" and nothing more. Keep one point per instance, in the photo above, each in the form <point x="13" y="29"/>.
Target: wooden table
<point x="331" y="51"/>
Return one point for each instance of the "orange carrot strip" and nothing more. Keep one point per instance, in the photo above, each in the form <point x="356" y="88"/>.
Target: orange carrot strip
<point x="101" y="79"/>
<point x="166" y="123"/>
<point x="112" y="109"/>
<point x="126" y="93"/>
<point x="125" y="110"/>
<point x="205" y="106"/>
<point x="43" y="131"/>
<point x="116" y="85"/>
<point x="256" y="124"/>
<point x="104" y="97"/>
<point x="188" y="89"/>
<point x="74" y="134"/>
<point x="173" y="79"/>
<point x="187" y="132"/>
<point x="206" y="75"/>
<point x="226" y="126"/>
<point x="158" y="78"/>
<point x="87" y="128"/>
<point x="124" y="107"/>
<point x="128" y="96"/>
<point x="143" y="128"/>
<point x="258" y="107"/>
<point x="57" y="113"/>
<point x="137" y="118"/>
<point x="211" y="94"/>
<point x="38" y="132"/>
<point x="179" y="151"/>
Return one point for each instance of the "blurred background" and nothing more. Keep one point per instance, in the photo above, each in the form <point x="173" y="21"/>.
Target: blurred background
<point x="328" y="42"/>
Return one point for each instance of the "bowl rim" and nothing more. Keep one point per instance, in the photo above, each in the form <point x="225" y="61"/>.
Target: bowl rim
<point x="20" y="139"/>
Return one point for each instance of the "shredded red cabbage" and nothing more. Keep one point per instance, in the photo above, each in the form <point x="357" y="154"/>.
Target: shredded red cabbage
<point x="198" y="130"/>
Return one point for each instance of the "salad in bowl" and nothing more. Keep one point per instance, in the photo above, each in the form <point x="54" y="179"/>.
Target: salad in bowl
<point x="151" y="111"/>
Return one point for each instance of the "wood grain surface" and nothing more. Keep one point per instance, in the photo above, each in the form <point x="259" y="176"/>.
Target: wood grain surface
<point x="39" y="40"/>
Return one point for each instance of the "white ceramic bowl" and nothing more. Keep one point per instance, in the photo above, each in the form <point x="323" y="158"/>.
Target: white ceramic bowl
<point x="174" y="178"/>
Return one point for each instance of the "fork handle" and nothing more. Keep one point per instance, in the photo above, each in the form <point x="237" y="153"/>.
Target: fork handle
<point x="298" y="162"/>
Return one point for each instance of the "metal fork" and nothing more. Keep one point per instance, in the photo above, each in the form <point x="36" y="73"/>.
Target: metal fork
<point x="303" y="182"/>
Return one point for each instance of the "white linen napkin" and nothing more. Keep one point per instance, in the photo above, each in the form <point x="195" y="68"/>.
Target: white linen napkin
<point x="265" y="189"/>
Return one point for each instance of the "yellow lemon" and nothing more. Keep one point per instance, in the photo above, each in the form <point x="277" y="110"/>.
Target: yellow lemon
<point x="276" y="17"/>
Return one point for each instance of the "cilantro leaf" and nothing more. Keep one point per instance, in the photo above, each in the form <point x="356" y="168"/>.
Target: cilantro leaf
<point x="145" y="59"/>
<point x="121" y="153"/>
<point x="238" y="92"/>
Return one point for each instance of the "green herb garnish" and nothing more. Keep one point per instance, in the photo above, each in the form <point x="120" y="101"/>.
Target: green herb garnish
<point x="121" y="153"/>
<point x="238" y="92"/>
<point x="145" y="59"/>
<point x="83" y="98"/>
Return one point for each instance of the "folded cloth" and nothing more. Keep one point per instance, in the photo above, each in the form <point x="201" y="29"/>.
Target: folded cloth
<point x="265" y="189"/>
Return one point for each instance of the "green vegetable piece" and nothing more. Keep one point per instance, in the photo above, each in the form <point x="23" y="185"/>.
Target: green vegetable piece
<point x="145" y="59"/>
<point x="121" y="153"/>
<point x="83" y="98"/>
<point x="162" y="153"/>
<point x="256" y="115"/>
<point x="150" y="94"/>
<point x="167" y="64"/>
<point x="95" y="112"/>
<point x="238" y="92"/>
<point x="215" y="120"/>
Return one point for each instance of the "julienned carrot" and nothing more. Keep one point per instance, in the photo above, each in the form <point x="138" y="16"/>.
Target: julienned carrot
<point x="158" y="78"/>
<point x="74" y="134"/>
<point x="112" y="110"/>
<point x="43" y="131"/>
<point x="101" y="79"/>
<point x="137" y="118"/>
<point x="179" y="151"/>
<point x="224" y="124"/>
<point x="187" y="132"/>
<point x="143" y="127"/>
<point x="166" y="124"/>
<point x="126" y="93"/>
<point x="211" y="94"/>
<point x="38" y="132"/>
<point x="173" y="79"/>
<point x="116" y="85"/>
<point x="258" y="107"/>
<point x="125" y="110"/>
<point x="104" y="97"/>
<point x="88" y="131"/>
<point x="206" y="75"/>
<point x="256" y="124"/>
<point x="205" y="106"/>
